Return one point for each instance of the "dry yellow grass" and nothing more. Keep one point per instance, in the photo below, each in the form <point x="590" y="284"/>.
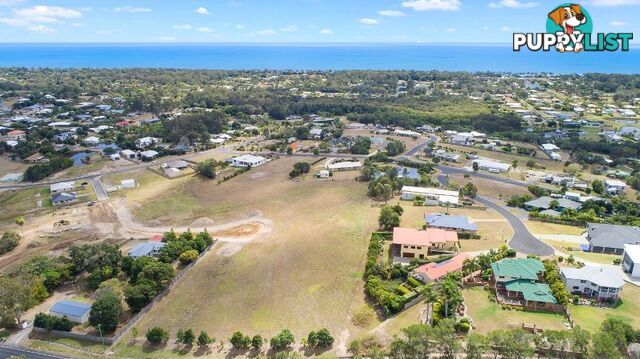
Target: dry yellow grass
<point x="539" y="228"/>
<point x="304" y="275"/>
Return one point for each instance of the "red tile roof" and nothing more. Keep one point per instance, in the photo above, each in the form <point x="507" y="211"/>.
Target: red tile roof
<point x="435" y="271"/>
<point x="156" y="238"/>
<point x="414" y="237"/>
<point x="15" y="132"/>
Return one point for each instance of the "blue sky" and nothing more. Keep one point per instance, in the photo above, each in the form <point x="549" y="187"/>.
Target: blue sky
<point x="290" y="21"/>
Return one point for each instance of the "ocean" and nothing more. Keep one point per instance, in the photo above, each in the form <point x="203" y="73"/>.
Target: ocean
<point x="495" y="58"/>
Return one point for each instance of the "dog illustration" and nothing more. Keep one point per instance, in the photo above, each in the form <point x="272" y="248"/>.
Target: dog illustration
<point x="568" y="17"/>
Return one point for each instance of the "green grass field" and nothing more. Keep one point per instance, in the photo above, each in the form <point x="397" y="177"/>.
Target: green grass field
<point x="590" y="318"/>
<point x="22" y="202"/>
<point x="489" y="316"/>
<point x="574" y="250"/>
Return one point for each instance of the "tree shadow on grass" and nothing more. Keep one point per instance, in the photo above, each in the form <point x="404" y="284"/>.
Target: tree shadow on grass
<point x="150" y="348"/>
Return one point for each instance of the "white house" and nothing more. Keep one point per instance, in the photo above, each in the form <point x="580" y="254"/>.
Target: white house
<point x="549" y="147"/>
<point x="462" y="138"/>
<point x="614" y="186"/>
<point x="323" y="174"/>
<point x="62" y="187"/>
<point x="332" y="165"/>
<point x="406" y="133"/>
<point x="247" y="161"/>
<point x="115" y="157"/>
<point x="440" y="195"/>
<point x="127" y="183"/>
<point x="91" y="141"/>
<point x="147" y="141"/>
<point x="598" y="282"/>
<point x="128" y="154"/>
<point x="492" y="166"/>
<point x="631" y="260"/>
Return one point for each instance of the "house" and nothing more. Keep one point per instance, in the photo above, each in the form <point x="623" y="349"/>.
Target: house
<point x="64" y="136"/>
<point x="431" y="272"/>
<point x="17" y="135"/>
<point x="127" y="183"/>
<point x="631" y="260"/>
<point x="36" y="158"/>
<point x="521" y="280"/>
<point x="549" y="147"/>
<point x="462" y="138"/>
<point x="611" y="238"/>
<point x="446" y="156"/>
<point x="323" y="174"/>
<point x="63" y="198"/>
<point x="492" y="166"/>
<point x="406" y="133"/>
<point x="439" y="196"/>
<point x="332" y="165"/>
<point x="545" y="202"/>
<point x="75" y="312"/>
<point x="128" y="154"/>
<point x="614" y="186"/>
<point x="315" y="133"/>
<point x="408" y="173"/>
<point x="412" y="243"/>
<point x="459" y="224"/>
<point x="178" y="164"/>
<point x="62" y="187"/>
<point x="148" y="155"/>
<point x="599" y="282"/>
<point x="91" y="141"/>
<point x="115" y="157"/>
<point x="147" y="141"/>
<point x="247" y="161"/>
<point x="149" y="249"/>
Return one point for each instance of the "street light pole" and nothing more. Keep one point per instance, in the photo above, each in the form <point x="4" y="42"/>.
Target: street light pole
<point x="102" y="338"/>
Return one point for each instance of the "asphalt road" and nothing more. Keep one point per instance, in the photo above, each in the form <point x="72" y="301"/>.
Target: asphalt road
<point x="522" y="241"/>
<point x="101" y="193"/>
<point x="7" y="351"/>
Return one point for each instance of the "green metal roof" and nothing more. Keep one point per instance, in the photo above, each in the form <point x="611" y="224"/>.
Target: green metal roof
<point x="518" y="268"/>
<point x="531" y="291"/>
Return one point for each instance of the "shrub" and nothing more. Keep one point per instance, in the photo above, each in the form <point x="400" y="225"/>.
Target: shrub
<point x="188" y="256"/>
<point x="9" y="241"/>
<point x="363" y="316"/>
<point x="50" y="322"/>
<point x="284" y="339"/>
<point x="402" y="290"/>
<point x="240" y="341"/>
<point x="257" y="341"/>
<point x="157" y="335"/>
<point x="413" y="282"/>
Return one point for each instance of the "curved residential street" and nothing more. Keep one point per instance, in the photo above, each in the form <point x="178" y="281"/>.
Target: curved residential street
<point x="522" y="241"/>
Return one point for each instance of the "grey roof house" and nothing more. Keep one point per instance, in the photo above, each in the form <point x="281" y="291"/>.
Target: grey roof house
<point x="149" y="249"/>
<point x="456" y="223"/>
<point x="544" y="203"/>
<point x="76" y="312"/>
<point x="62" y="198"/>
<point x="611" y="238"/>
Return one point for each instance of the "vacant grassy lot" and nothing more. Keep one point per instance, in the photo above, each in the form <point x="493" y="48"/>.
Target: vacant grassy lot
<point x="7" y="166"/>
<point x="304" y="275"/>
<point x="490" y="316"/>
<point x="539" y="228"/>
<point x="23" y="202"/>
<point x="590" y="318"/>
<point x="488" y="187"/>
<point x="574" y="249"/>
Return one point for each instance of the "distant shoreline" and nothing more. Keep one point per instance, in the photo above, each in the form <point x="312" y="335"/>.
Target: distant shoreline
<point x="491" y="57"/>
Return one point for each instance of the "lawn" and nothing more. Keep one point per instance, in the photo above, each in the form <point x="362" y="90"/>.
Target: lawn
<point x="492" y="227"/>
<point x="538" y="228"/>
<point x="304" y="275"/>
<point x="21" y="203"/>
<point x="572" y="248"/>
<point x="589" y="318"/>
<point x="489" y="316"/>
<point x="487" y="187"/>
